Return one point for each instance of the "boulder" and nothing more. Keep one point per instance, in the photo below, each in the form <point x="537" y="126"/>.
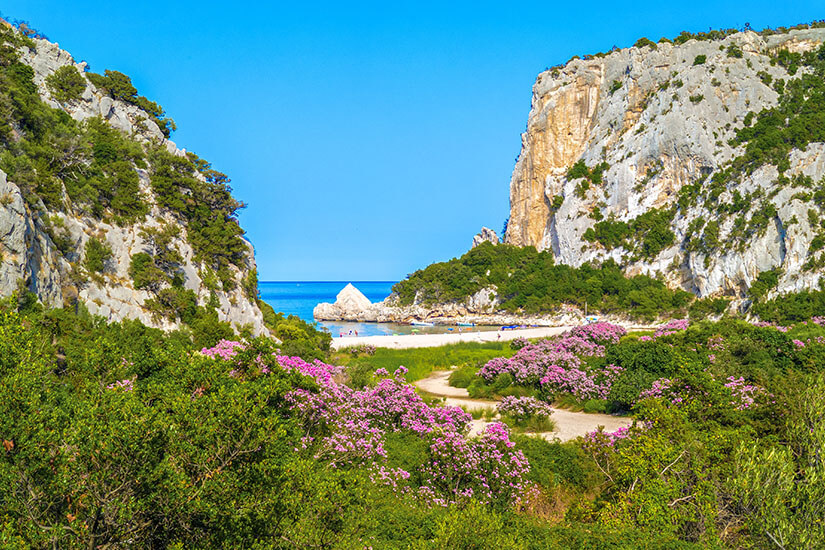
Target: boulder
<point x="350" y="303"/>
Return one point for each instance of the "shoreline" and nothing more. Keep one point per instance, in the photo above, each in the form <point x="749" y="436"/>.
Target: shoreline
<point x="409" y="341"/>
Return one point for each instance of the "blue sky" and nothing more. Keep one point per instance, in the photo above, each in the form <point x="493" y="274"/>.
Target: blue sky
<point x="368" y="139"/>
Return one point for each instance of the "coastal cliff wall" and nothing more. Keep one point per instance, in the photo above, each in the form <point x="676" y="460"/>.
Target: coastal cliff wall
<point x="46" y="241"/>
<point x="642" y="136"/>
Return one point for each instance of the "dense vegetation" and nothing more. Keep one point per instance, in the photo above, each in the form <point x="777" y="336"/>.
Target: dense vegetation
<point x="531" y="282"/>
<point x="644" y="236"/>
<point x="90" y="168"/>
<point x="68" y="168"/>
<point x="120" y="435"/>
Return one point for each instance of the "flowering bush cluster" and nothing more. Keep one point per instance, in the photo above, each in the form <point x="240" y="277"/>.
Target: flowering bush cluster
<point x="523" y="408"/>
<point x="363" y="349"/>
<point x="556" y="364"/>
<point x="671" y="327"/>
<point x="518" y="343"/>
<point x="768" y="324"/>
<point x="599" y="440"/>
<point x="487" y="468"/>
<point x="744" y="395"/>
<point x="125" y="385"/>
<point x="346" y="427"/>
<point x="601" y="333"/>
<point x="225" y="349"/>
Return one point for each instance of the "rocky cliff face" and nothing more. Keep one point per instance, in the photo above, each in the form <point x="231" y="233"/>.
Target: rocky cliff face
<point x="29" y="256"/>
<point x="648" y="122"/>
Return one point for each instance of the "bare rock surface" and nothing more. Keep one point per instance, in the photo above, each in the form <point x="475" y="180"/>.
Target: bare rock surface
<point x="662" y="118"/>
<point x="29" y="257"/>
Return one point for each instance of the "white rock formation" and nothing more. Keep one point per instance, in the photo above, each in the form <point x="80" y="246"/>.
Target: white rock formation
<point x="662" y="119"/>
<point x="29" y="257"/>
<point x="486" y="235"/>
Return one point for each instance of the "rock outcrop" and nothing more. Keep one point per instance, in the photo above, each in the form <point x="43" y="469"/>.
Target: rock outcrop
<point x="31" y="259"/>
<point x="486" y="235"/>
<point x="658" y="119"/>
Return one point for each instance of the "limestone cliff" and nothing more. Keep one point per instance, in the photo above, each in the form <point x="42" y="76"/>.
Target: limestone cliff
<point x="45" y="245"/>
<point x="655" y="126"/>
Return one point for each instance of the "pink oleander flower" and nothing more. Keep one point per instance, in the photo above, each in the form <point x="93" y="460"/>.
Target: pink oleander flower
<point x="744" y="395"/>
<point x="225" y="349"/>
<point x="600" y="440"/>
<point x="716" y="343"/>
<point x="523" y="408"/>
<point x="125" y="385"/>
<point x="671" y="327"/>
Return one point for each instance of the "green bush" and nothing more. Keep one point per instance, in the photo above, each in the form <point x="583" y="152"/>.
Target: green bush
<point x="699" y="60"/>
<point x="531" y="282"/>
<point x="98" y="254"/>
<point x="145" y="274"/>
<point x="66" y="84"/>
<point x="120" y="86"/>
<point x="462" y="377"/>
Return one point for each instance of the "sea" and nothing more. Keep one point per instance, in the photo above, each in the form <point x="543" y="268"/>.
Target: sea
<point x="300" y="298"/>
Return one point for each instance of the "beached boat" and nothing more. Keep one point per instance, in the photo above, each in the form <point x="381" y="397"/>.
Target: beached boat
<point x="422" y="324"/>
<point x="466" y="324"/>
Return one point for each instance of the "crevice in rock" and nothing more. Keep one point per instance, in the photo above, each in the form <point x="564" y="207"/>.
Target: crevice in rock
<point x="780" y="229"/>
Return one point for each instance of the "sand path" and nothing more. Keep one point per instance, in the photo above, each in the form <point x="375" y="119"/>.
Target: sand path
<point x="569" y="424"/>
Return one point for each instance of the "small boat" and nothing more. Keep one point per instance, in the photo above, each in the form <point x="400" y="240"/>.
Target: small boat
<point x="466" y="324"/>
<point x="422" y="324"/>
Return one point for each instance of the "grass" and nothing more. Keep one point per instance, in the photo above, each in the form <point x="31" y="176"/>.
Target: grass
<point x="422" y="361"/>
<point x="534" y="424"/>
<point x="486" y="413"/>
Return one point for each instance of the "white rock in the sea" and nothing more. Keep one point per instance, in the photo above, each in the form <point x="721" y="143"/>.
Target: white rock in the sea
<point x="349" y="303"/>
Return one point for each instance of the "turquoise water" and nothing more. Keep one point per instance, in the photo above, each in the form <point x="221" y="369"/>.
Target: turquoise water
<point x="300" y="298"/>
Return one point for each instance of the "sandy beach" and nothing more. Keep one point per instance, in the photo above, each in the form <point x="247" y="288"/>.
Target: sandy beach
<point x="406" y="341"/>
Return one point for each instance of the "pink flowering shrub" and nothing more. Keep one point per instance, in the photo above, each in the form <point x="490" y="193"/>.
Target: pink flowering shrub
<point x="744" y="395"/>
<point x="524" y="408"/>
<point x="225" y="349"/>
<point x="671" y="327"/>
<point x="345" y="427"/>
<point x="599" y="440"/>
<point x="487" y="468"/>
<point x="556" y="365"/>
<point x="600" y="333"/>
<point x="518" y="343"/>
<point x="768" y="324"/>
<point x="125" y="385"/>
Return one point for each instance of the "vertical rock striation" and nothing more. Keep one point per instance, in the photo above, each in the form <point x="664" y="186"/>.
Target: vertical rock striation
<point x="647" y="122"/>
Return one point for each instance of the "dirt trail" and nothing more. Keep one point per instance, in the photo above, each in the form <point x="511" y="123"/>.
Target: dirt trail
<point x="569" y="424"/>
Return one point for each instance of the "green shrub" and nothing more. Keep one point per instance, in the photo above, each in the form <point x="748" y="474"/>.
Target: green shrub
<point x="462" y="377"/>
<point x="145" y="273"/>
<point x="98" y="253"/>
<point x="120" y="86"/>
<point x="66" y="84"/>
<point x="644" y="42"/>
<point x="595" y="406"/>
<point x="699" y="59"/>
